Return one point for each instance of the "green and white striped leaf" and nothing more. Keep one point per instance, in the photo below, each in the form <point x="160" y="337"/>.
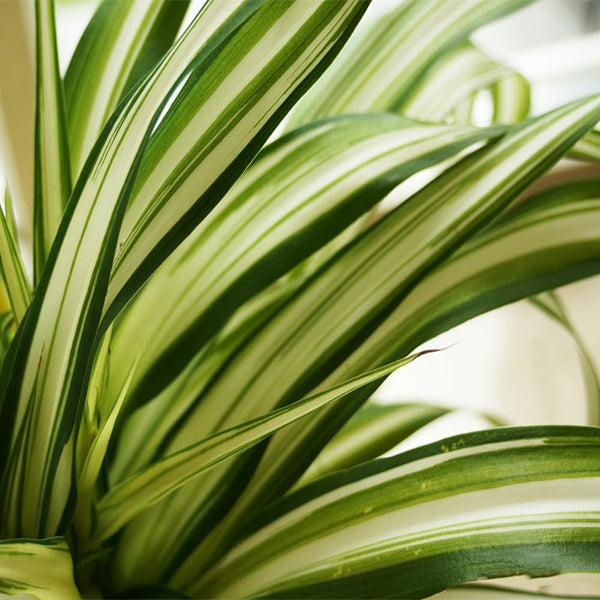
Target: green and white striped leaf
<point x="345" y="304"/>
<point x="301" y="193"/>
<point x="386" y="60"/>
<point x="13" y="271"/>
<point x="371" y="432"/>
<point x="52" y="169"/>
<point x="511" y="97"/>
<point x="461" y="193"/>
<point x="52" y="350"/>
<point x="44" y="391"/>
<point x="502" y="166"/>
<point x="484" y="505"/>
<point x="439" y="85"/>
<point x="40" y="569"/>
<point x="145" y="432"/>
<point x="461" y="73"/>
<point x="120" y="44"/>
<point x="7" y="327"/>
<point x="550" y="303"/>
<point x="542" y="245"/>
<point x="146" y="488"/>
<point x="219" y="121"/>
<point x="153" y="297"/>
<point x="493" y="592"/>
<point x="448" y="91"/>
<point x="588" y="148"/>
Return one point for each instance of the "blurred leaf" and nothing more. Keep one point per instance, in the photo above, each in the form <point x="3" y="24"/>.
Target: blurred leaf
<point x="147" y="487"/>
<point x="119" y="46"/>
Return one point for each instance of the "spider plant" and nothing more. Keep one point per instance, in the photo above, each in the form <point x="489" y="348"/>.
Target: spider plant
<point x="204" y="289"/>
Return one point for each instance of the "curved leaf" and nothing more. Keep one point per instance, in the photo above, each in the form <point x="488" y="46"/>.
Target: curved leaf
<point x="371" y="432"/>
<point x="386" y="60"/>
<point x="298" y="195"/>
<point x="394" y="335"/>
<point x="120" y="45"/>
<point x="489" y="504"/>
<point x="43" y="380"/>
<point x="40" y="569"/>
<point x="145" y="433"/>
<point x="226" y="110"/>
<point x="537" y="247"/>
<point x="146" y="488"/>
<point x="334" y="315"/>
<point x="52" y="170"/>
<point x="461" y="73"/>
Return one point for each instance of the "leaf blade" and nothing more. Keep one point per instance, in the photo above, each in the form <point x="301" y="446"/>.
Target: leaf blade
<point x="140" y="491"/>
<point x="468" y="513"/>
<point x="381" y="67"/>
<point x="54" y="351"/>
<point x="52" y="173"/>
<point x="297" y="196"/>
<point x="371" y="432"/>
